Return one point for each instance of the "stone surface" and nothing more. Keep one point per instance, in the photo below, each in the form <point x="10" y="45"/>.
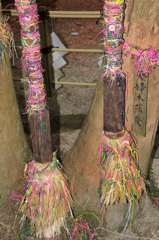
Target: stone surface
<point x="86" y="69"/>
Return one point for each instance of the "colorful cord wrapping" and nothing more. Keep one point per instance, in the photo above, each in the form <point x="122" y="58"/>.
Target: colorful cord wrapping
<point x="31" y="56"/>
<point x="144" y="59"/>
<point x="47" y="199"/>
<point x="113" y="38"/>
<point x="120" y="177"/>
<point x="7" y="45"/>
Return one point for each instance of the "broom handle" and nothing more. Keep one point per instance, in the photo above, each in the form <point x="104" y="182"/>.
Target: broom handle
<point x="114" y="83"/>
<point x="31" y="57"/>
<point x="113" y="107"/>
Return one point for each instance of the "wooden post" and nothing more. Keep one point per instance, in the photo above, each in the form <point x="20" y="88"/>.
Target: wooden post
<point x="114" y="106"/>
<point x="41" y="137"/>
<point x="39" y="120"/>
<point x="46" y="52"/>
<point x="40" y="132"/>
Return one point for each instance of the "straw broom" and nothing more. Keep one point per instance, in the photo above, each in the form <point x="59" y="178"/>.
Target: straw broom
<point x="47" y="199"/>
<point x="120" y="177"/>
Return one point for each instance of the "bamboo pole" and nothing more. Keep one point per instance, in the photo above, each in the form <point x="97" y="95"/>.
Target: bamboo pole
<point x="75" y="83"/>
<point x="11" y="12"/>
<point x="59" y="82"/>
<point x="84" y="50"/>
<point x="63" y="14"/>
<point x="72" y="16"/>
<point x="76" y="12"/>
<point x="77" y="50"/>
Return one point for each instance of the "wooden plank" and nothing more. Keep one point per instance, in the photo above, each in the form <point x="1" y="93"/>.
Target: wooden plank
<point x="114" y="106"/>
<point x="41" y="137"/>
<point x="140" y="91"/>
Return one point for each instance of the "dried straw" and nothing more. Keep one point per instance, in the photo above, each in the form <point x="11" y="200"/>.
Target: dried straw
<point x="120" y="177"/>
<point x="47" y="199"/>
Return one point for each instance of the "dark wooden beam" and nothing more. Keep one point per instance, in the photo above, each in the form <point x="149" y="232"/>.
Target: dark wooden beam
<point x="114" y="105"/>
<point x="41" y="137"/>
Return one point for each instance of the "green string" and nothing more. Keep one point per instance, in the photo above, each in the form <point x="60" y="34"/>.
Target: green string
<point x="41" y="124"/>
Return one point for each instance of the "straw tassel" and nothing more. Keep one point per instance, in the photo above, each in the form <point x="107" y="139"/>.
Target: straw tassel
<point x="47" y="200"/>
<point x="120" y="177"/>
<point x="7" y="44"/>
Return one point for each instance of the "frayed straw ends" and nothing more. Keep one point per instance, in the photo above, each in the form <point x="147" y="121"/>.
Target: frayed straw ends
<point x="120" y="177"/>
<point x="47" y="199"/>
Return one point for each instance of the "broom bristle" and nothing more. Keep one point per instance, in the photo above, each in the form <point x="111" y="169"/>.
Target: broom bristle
<point x="120" y="177"/>
<point x="47" y="199"/>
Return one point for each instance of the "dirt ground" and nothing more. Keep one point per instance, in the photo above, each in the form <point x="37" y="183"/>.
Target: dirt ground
<point x="74" y="100"/>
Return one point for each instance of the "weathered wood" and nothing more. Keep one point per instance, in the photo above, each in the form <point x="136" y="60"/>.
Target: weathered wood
<point x="129" y="13"/>
<point x="114" y="106"/>
<point x="14" y="149"/>
<point x="82" y="162"/>
<point x="41" y="137"/>
<point x="140" y="90"/>
<point x="26" y="93"/>
<point x="46" y="54"/>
